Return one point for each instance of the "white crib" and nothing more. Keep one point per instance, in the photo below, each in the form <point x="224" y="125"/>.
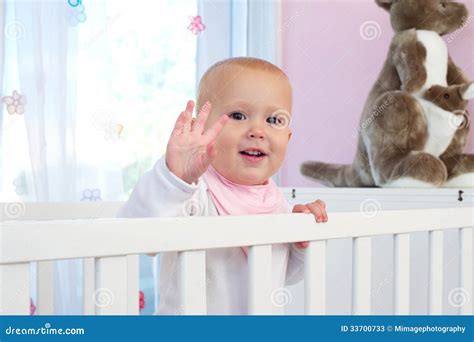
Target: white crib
<point x="45" y="232"/>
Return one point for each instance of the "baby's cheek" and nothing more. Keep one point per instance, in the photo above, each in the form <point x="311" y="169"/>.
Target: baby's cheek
<point x="279" y="155"/>
<point x="224" y="142"/>
<point x="282" y="146"/>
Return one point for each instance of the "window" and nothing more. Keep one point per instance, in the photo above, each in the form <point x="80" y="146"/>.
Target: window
<point x="136" y="72"/>
<point x="130" y="70"/>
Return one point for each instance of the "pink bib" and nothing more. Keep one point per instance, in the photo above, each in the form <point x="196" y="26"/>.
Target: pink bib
<point x="235" y="199"/>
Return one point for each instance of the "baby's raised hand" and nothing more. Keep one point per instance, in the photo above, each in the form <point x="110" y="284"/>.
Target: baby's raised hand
<point x="318" y="209"/>
<point x="190" y="150"/>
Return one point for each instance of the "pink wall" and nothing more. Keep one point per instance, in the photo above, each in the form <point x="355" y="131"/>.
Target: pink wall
<point x="332" y="69"/>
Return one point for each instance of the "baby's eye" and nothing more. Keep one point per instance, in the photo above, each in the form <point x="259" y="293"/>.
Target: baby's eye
<point x="274" y="120"/>
<point x="280" y="120"/>
<point x="237" y="116"/>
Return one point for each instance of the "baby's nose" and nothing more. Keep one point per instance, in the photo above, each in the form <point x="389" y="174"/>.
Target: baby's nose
<point x="256" y="134"/>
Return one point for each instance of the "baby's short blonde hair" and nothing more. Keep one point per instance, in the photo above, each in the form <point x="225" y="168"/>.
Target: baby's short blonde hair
<point x="242" y="62"/>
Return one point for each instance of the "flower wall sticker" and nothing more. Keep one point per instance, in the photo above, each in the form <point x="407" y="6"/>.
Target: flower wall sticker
<point x="91" y="195"/>
<point x="74" y="3"/>
<point x="20" y="185"/>
<point x="141" y="300"/>
<point x="32" y="307"/>
<point x="196" y="25"/>
<point x="77" y="12"/>
<point x="15" y="103"/>
<point x="113" y="131"/>
<point x="105" y="123"/>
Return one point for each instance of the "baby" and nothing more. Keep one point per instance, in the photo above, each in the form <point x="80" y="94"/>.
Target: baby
<point x="220" y="164"/>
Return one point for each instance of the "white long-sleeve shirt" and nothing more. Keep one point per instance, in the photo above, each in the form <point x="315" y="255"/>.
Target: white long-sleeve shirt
<point x="159" y="193"/>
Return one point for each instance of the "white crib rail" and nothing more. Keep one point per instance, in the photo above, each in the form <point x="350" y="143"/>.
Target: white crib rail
<point x="110" y="248"/>
<point x="45" y="269"/>
<point x="260" y="278"/>
<point x="362" y="275"/>
<point x="466" y="268"/>
<point x="193" y="279"/>
<point x="402" y="274"/>
<point x="315" y="278"/>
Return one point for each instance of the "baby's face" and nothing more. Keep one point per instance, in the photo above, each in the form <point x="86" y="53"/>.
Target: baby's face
<point x="259" y="106"/>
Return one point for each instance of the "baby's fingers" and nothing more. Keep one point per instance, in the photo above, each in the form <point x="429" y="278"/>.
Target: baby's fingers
<point x="202" y="118"/>
<point x="214" y="131"/>
<point x="302" y="244"/>
<point x="317" y="211"/>
<point x="189" y="113"/>
<point x="190" y="107"/>
<point x="301" y="208"/>
<point x="321" y="203"/>
<point x="179" y="125"/>
<point x="322" y="208"/>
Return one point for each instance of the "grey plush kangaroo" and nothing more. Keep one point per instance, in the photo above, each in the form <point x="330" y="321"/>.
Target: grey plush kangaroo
<point x="406" y="137"/>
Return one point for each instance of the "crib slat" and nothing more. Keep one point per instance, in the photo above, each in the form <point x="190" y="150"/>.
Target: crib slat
<point x="114" y="294"/>
<point x="402" y="274"/>
<point x="133" y="285"/>
<point x="436" y="273"/>
<point x="192" y="280"/>
<point x="45" y="287"/>
<point x="88" y="285"/>
<point x="361" y="277"/>
<point x="15" y="289"/>
<point x="315" y="278"/>
<point x="156" y="281"/>
<point x="466" y="240"/>
<point x="260" y="280"/>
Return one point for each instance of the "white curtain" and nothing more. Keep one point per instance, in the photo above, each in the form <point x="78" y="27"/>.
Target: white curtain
<point x="46" y="81"/>
<point x="41" y="41"/>
<point x="42" y="49"/>
<point x="2" y="58"/>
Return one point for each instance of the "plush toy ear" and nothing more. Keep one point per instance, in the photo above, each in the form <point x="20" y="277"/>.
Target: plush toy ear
<point x="467" y="91"/>
<point x="387" y="4"/>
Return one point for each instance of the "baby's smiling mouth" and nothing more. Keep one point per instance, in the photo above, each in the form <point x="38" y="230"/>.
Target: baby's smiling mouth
<point x="253" y="154"/>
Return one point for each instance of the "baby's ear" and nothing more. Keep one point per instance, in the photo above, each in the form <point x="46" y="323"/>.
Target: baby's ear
<point x="467" y="91"/>
<point x="387" y="4"/>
